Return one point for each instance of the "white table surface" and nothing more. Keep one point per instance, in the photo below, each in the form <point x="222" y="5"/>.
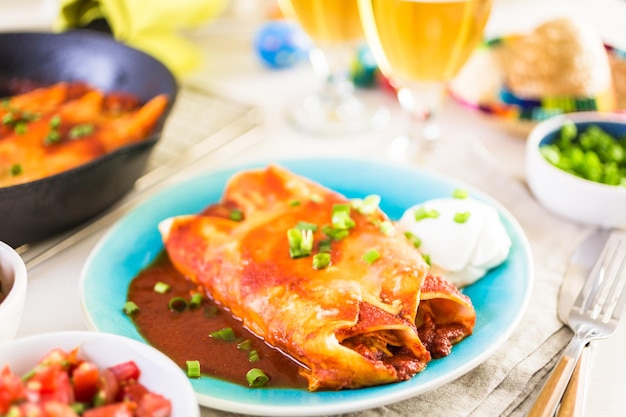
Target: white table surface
<point x="233" y="71"/>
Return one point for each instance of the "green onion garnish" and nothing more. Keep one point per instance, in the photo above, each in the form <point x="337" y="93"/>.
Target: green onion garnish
<point x="386" y="227"/>
<point x="460" y="193"/>
<point x="196" y="300"/>
<point x="421" y="214"/>
<point x="426" y="258"/>
<point x="226" y="334"/>
<point x="161" y="287"/>
<point x="178" y="304"/>
<point x="341" y="217"/>
<point x="20" y="128"/>
<point x="78" y="408"/>
<point x="371" y="256"/>
<point x="253" y="356"/>
<point x="306" y="226"/>
<point x="416" y="241"/>
<point x="130" y="308"/>
<point x="335" y="234"/>
<point x="245" y="345"/>
<point x="55" y="122"/>
<point x="316" y="198"/>
<point x="16" y="169"/>
<point x="53" y="137"/>
<point x="193" y="369"/>
<point x="324" y="245"/>
<point x="80" y="131"/>
<point x="300" y="242"/>
<point x="256" y="378"/>
<point x="235" y="215"/>
<point x="321" y="260"/>
<point x="294" y="203"/>
<point x="462" y="217"/>
<point x="370" y="204"/>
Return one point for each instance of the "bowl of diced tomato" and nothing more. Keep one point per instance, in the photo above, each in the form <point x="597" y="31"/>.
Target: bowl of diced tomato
<point x="90" y="374"/>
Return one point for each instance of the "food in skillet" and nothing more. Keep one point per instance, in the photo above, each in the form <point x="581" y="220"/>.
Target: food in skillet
<point x="56" y="128"/>
<point x="63" y="384"/>
<point x="327" y="280"/>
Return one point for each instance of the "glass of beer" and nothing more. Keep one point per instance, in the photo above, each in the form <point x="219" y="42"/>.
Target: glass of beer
<point x="334" y="26"/>
<point x="419" y="45"/>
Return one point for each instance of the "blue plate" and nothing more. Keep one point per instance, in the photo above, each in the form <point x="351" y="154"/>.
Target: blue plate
<point x="500" y="298"/>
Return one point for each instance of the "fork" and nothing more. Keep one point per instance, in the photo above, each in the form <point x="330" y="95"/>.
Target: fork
<point x="595" y="314"/>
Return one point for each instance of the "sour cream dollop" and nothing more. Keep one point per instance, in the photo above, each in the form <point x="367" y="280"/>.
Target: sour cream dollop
<point x="464" y="238"/>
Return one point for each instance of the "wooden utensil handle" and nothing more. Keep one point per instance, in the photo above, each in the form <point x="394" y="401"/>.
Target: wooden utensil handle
<point x="573" y="402"/>
<point x="551" y="393"/>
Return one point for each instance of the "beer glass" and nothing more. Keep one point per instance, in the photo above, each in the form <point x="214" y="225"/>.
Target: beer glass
<point x="419" y="45"/>
<point x="334" y="26"/>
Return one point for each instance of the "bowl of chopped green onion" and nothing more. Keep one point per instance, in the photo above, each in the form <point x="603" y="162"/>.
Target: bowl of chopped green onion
<point x="576" y="167"/>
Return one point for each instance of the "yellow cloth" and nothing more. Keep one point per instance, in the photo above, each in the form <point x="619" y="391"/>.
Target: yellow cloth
<point x="149" y="25"/>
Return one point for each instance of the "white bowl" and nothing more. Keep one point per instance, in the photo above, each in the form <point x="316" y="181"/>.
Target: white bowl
<point x="13" y="288"/>
<point x="565" y="194"/>
<point x="158" y="373"/>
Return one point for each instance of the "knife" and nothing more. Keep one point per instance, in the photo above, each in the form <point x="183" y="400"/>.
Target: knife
<point x="581" y="262"/>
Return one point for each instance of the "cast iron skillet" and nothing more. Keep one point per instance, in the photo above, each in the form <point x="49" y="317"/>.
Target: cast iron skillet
<point x="40" y="209"/>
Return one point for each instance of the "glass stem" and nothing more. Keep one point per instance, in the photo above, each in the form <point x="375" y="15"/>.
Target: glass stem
<point x="422" y="102"/>
<point x="332" y="64"/>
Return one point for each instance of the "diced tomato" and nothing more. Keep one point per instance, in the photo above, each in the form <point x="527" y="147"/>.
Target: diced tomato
<point x="154" y="405"/>
<point x="31" y="410"/>
<point x="86" y="381"/>
<point x="132" y="391"/>
<point x="11" y="389"/>
<point x="109" y="387"/>
<point x="61" y="358"/>
<point x="57" y="409"/>
<point x="111" y="410"/>
<point x="126" y="371"/>
<point x="49" y="383"/>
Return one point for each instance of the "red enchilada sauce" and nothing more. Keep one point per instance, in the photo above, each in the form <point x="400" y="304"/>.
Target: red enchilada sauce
<point x="186" y="336"/>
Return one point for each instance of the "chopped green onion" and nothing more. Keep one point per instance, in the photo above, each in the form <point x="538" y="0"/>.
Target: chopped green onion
<point x="245" y="345"/>
<point x="81" y="130"/>
<point x="341" y="217"/>
<point x="235" y="215"/>
<point x="321" y="260"/>
<point x="462" y="217"/>
<point x="370" y="204"/>
<point x="78" y="408"/>
<point x="300" y="242"/>
<point x="316" y="198"/>
<point x="55" y="122"/>
<point x="335" y="234"/>
<point x="294" y="203"/>
<point x="426" y="258"/>
<point x="306" y="226"/>
<point x="256" y="378"/>
<point x="460" y="193"/>
<point x="193" y="369"/>
<point x="53" y="137"/>
<point x="371" y="256"/>
<point x="16" y="169"/>
<point x="20" y="128"/>
<point x="416" y="241"/>
<point x="178" y="304"/>
<point x="253" y="356"/>
<point x="130" y="308"/>
<point x="324" y="245"/>
<point x="226" y="334"/>
<point x="161" y="287"/>
<point x="8" y="119"/>
<point x="196" y="300"/>
<point x="421" y="214"/>
<point x="386" y="227"/>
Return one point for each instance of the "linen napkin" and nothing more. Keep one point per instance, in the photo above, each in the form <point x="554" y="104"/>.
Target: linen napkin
<point x="507" y="383"/>
<point x="153" y="26"/>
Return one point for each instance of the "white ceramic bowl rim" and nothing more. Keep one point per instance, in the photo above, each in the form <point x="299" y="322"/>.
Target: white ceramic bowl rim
<point x="12" y="266"/>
